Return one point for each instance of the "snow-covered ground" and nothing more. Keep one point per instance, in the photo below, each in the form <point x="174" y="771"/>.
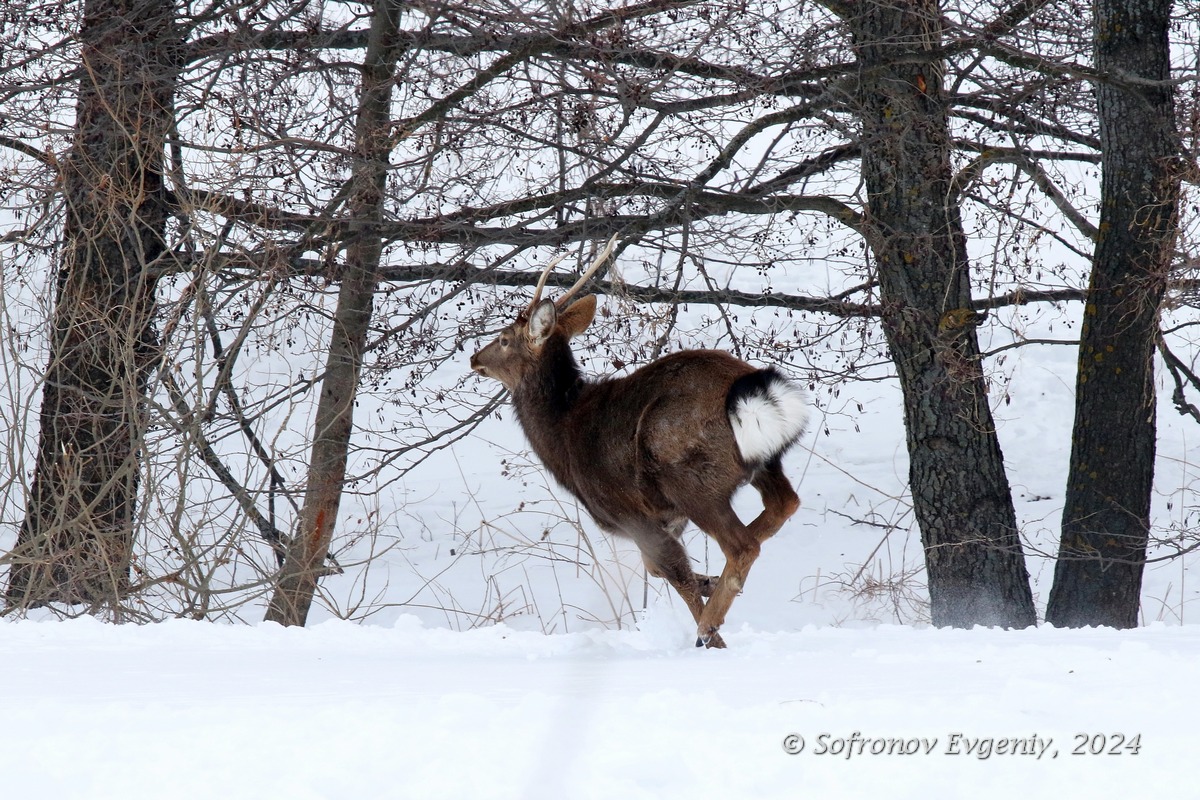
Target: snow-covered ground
<point x="589" y="686"/>
<point x="502" y="647"/>
<point x="196" y="710"/>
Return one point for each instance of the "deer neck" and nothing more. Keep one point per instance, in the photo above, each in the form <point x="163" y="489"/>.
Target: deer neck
<point x="545" y="398"/>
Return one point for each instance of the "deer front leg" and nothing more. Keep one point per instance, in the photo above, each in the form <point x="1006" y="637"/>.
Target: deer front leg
<point x="666" y="558"/>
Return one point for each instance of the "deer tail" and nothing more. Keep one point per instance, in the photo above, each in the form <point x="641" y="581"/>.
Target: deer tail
<point x="768" y="413"/>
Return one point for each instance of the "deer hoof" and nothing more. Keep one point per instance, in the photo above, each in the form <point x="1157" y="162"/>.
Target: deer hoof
<point x="711" y="639"/>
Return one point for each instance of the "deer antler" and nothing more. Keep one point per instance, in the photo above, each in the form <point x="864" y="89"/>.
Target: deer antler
<point x="596" y="264"/>
<point x="537" y="292"/>
<point x="541" y="284"/>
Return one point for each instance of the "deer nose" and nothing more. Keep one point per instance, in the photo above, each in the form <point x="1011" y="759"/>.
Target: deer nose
<point x="476" y="366"/>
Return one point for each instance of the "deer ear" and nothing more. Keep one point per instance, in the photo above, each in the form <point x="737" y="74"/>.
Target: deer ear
<point x="578" y="316"/>
<point x="542" y="321"/>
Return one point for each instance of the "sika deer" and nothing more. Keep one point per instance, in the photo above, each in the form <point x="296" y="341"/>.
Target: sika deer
<point x="647" y="452"/>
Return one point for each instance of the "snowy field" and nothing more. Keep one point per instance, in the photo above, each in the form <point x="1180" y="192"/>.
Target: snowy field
<point x="588" y="686"/>
<point x="194" y="710"/>
<point x="487" y="641"/>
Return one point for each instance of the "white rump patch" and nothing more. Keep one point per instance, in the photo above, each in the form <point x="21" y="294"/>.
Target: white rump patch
<point x="765" y="425"/>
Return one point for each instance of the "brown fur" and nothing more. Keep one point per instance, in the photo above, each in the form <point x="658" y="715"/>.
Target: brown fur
<point x="644" y="453"/>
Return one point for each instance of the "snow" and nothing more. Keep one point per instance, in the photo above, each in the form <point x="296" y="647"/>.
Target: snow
<point x="498" y="653"/>
<point x="584" y="690"/>
<point x="187" y="709"/>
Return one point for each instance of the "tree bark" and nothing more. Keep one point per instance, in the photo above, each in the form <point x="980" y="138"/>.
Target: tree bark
<point x="961" y="496"/>
<point x="76" y="542"/>
<point x="1106" y="516"/>
<point x="335" y="408"/>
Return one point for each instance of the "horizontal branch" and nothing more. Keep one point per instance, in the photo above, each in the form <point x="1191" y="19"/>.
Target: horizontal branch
<point x="833" y="306"/>
<point x="346" y="38"/>
<point x="461" y="227"/>
<point x="706" y="203"/>
<point x="462" y="273"/>
<point x="642" y="294"/>
<point x="1023" y="297"/>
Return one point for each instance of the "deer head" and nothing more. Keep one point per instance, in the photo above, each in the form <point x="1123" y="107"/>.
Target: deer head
<point x="512" y="354"/>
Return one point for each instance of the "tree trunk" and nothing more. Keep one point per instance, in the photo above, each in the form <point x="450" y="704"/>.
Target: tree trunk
<point x="76" y="542"/>
<point x="1106" y="516"/>
<point x="335" y="407"/>
<point x="960" y="492"/>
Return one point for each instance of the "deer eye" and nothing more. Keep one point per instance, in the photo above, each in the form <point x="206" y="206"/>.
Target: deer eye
<point x="504" y="341"/>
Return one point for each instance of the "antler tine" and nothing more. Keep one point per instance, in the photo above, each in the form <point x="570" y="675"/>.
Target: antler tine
<point x="599" y="262"/>
<point x="537" y="292"/>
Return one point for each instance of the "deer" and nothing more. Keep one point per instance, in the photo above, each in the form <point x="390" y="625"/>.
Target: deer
<point x="649" y="451"/>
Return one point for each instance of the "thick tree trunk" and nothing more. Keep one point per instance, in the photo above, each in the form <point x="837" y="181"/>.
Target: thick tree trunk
<point x="961" y="496"/>
<point x="76" y="541"/>
<point x="1106" y="517"/>
<point x="335" y="407"/>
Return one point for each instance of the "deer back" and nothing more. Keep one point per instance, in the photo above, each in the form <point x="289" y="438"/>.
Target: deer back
<point x="628" y="447"/>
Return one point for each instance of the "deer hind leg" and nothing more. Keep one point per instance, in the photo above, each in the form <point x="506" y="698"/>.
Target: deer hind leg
<point x="666" y="558"/>
<point x="779" y="501"/>
<point x="741" y="543"/>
